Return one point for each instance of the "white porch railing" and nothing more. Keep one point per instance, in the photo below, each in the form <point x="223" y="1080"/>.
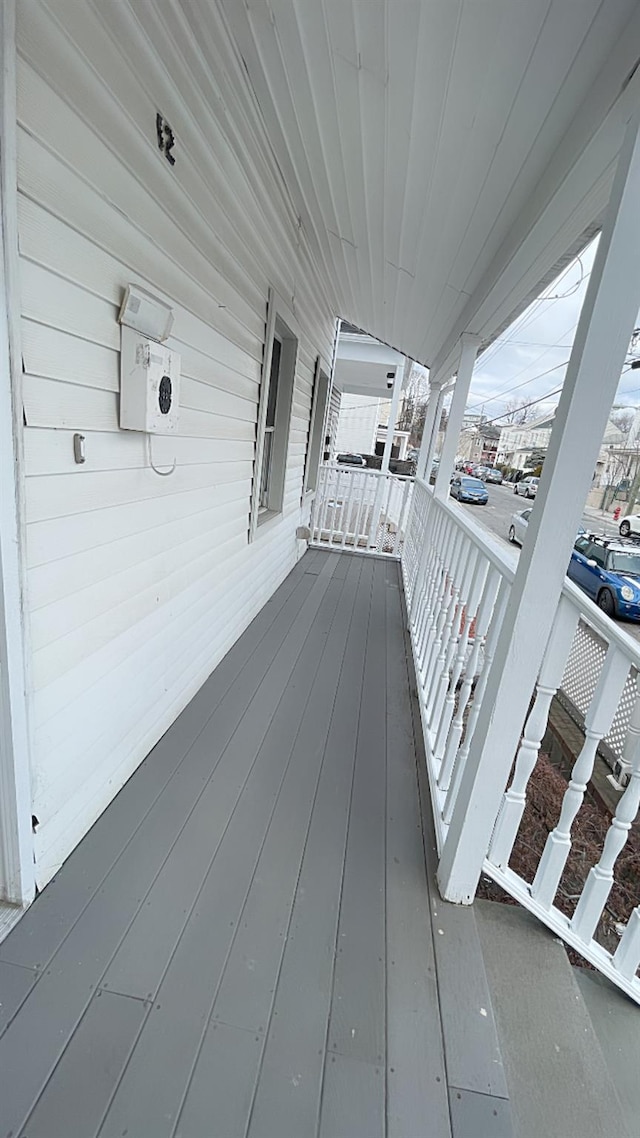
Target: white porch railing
<point x="361" y="510"/>
<point x="457" y="583"/>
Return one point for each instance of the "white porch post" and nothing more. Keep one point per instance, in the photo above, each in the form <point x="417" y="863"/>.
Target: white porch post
<point x="393" y="413"/>
<point x="437" y="391"/>
<point x="468" y="353"/>
<point x="17" y="882"/>
<point x="606" y="323"/>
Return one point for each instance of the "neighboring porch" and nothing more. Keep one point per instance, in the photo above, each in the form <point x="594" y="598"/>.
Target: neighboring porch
<point x="250" y="941"/>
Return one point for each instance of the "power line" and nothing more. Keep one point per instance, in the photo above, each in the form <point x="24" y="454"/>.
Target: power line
<point x="508" y="390"/>
<point x="541" y="399"/>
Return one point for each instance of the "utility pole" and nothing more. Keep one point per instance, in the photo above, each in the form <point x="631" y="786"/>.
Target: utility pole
<point x="633" y="493"/>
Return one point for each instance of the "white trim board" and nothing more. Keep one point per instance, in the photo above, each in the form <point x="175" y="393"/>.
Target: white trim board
<point x="16" y="843"/>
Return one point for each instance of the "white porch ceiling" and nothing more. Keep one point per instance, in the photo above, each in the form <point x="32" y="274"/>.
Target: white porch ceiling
<point x="442" y="154"/>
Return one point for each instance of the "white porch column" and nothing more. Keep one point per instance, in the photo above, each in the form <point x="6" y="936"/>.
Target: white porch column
<point x="606" y="324"/>
<point x="437" y="391"/>
<point x="393" y="412"/>
<point x="468" y="353"/>
<point x="17" y="883"/>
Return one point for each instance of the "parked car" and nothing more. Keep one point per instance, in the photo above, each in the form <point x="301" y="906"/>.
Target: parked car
<point x="520" y="521"/>
<point x="518" y="525"/>
<point x="608" y="570"/>
<point x="527" y="487"/>
<point x="494" y="475"/>
<point x="468" y="489"/>
<point x="351" y="460"/>
<point x="630" y="524"/>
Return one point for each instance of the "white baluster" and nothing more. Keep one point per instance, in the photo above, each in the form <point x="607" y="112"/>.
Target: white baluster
<point x="441" y="748"/>
<point x="600" y="880"/>
<point x="404" y="505"/>
<point x="384" y="523"/>
<point x="496" y="618"/>
<point x="469" y="557"/>
<point x="442" y="601"/>
<point x="598" y="720"/>
<point x="432" y="585"/>
<point x="627" y="955"/>
<point x="551" y="673"/>
<point x="346" y="506"/>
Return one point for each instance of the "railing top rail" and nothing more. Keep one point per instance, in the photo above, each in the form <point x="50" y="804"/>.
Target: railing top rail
<point x="347" y="469"/>
<point x="502" y="559"/>
<point x="602" y="624"/>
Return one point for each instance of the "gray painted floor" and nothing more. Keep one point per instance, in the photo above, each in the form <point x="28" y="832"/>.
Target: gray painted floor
<point x="243" y="944"/>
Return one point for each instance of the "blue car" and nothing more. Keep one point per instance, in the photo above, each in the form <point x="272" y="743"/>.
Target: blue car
<point x="467" y="489"/>
<point x="608" y="571"/>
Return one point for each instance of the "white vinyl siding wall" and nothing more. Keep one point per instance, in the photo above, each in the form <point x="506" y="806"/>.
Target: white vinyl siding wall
<point x="137" y="585"/>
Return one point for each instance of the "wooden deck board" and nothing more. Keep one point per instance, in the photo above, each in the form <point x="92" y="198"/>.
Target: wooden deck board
<point x="242" y="944"/>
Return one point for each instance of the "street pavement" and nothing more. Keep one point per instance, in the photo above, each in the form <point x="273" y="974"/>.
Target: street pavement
<point x="496" y="517"/>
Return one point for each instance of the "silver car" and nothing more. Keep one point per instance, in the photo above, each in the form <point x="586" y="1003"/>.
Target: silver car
<point x="527" y="487"/>
<point x="518" y="525"/>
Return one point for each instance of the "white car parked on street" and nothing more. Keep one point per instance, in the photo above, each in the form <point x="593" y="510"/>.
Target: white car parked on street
<point x="518" y="525"/>
<point x="527" y="487"/>
<point x="629" y="525"/>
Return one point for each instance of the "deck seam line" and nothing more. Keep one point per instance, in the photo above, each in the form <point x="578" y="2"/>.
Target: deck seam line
<point x="160" y="868"/>
<point x="210" y="1017"/>
<point x="344" y="862"/>
<point x="424" y="822"/>
<point x="176" y="945"/>
<point x="302" y="856"/>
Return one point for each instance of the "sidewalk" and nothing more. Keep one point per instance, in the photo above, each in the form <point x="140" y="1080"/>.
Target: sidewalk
<point x="603" y="518"/>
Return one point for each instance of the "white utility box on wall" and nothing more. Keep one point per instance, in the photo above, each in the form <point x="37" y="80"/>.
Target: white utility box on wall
<point x="149" y="385"/>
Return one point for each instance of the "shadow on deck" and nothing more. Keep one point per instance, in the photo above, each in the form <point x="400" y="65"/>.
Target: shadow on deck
<point x="249" y="942"/>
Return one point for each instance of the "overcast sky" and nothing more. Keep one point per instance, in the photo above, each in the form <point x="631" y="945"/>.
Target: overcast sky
<point x="529" y="359"/>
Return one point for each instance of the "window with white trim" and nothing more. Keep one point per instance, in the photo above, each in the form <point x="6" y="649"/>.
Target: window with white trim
<point x="274" y="414"/>
<point x="315" y="440"/>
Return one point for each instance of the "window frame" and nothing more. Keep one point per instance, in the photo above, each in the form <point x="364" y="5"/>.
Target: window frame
<point x="315" y="438"/>
<point x="281" y="324"/>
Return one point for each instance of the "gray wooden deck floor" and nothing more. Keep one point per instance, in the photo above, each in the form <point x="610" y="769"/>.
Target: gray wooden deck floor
<point x="243" y="943"/>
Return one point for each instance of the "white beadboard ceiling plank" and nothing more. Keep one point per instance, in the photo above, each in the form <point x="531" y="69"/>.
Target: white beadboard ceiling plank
<point x="511" y="54"/>
<point x="540" y="118"/>
<point x="242" y="24"/>
<point x="291" y="46"/>
<point x="473" y="66"/>
<point x="403" y="51"/>
<point x="315" y="45"/>
<point x="437" y="32"/>
<point x="348" y="96"/>
<point x="374" y="137"/>
<point x="342" y="30"/>
<point x="371" y="34"/>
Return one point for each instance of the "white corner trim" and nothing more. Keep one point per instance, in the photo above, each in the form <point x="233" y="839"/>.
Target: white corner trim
<point x="17" y="879"/>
